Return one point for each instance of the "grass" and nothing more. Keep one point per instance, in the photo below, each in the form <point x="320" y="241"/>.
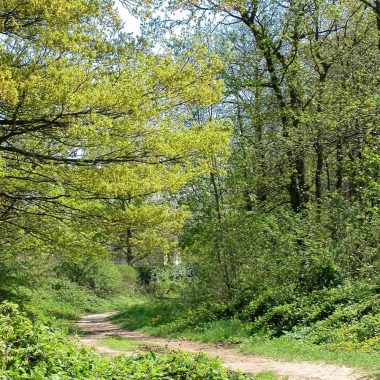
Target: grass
<point x="295" y="350"/>
<point x="124" y="344"/>
<point x="224" y="330"/>
<point x="267" y="376"/>
<point x="165" y="318"/>
<point x="148" y="315"/>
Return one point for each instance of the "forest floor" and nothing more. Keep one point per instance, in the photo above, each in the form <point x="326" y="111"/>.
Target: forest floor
<point x="96" y="329"/>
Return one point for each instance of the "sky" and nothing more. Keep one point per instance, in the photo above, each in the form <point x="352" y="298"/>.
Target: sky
<point x="131" y="23"/>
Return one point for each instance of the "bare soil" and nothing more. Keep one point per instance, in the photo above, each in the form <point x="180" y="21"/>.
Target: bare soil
<point x="97" y="327"/>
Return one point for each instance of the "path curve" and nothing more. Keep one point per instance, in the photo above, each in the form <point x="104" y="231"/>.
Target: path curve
<point x="98" y="326"/>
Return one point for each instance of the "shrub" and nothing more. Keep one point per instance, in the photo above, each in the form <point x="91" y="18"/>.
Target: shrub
<point x="346" y="316"/>
<point x="101" y="276"/>
<point x="61" y="299"/>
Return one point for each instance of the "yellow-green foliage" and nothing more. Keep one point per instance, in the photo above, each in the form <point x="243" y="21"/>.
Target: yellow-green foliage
<point x="90" y="117"/>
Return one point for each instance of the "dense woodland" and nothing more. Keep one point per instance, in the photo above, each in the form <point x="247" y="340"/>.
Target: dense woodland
<point x="240" y="138"/>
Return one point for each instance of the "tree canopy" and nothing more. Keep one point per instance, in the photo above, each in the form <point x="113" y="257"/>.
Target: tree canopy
<point x="94" y="127"/>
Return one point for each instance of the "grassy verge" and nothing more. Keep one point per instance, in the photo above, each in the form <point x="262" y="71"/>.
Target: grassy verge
<point x="165" y="318"/>
<point x="148" y="315"/>
<point x="296" y="350"/>
<point x="124" y="344"/>
<point x="62" y="309"/>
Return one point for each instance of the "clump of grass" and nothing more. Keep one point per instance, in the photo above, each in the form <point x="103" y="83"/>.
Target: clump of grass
<point x="295" y="350"/>
<point x="124" y="344"/>
<point x="150" y="315"/>
<point x="165" y="318"/>
<point x="268" y="376"/>
<point x="225" y="330"/>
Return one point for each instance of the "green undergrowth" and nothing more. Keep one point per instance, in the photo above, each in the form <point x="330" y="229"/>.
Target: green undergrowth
<point x="31" y="350"/>
<point x="346" y="318"/>
<point x="169" y="318"/>
<point x="61" y="302"/>
<point x="59" y="294"/>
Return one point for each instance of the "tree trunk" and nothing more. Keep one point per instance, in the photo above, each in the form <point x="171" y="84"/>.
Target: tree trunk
<point x="319" y="168"/>
<point x="219" y="235"/>
<point x="339" y="164"/>
<point x="129" y="252"/>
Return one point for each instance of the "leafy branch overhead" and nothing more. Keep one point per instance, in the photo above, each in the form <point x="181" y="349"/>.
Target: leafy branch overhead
<point x="87" y="115"/>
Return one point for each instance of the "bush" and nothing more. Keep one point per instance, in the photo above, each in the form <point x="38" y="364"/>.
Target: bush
<point x="346" y="316"/>
<point x="164" y="282"/>
<point x="322" y="274"/>
<point x="102" y="276"/>
<point x="260" y="305"/>
<point x="61" y="299"/>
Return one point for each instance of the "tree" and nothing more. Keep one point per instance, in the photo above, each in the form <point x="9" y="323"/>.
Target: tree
<point x="90" y="117"/>
<point x="375" y="7"/>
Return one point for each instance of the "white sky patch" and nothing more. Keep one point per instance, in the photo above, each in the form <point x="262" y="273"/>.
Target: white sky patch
<point x="131" y="23"/>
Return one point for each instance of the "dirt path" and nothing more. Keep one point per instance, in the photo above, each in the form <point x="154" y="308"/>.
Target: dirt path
<point x="97" y="327"/>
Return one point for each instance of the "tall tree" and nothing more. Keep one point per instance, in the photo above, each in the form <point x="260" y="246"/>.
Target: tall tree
<point x="88" y="117"/>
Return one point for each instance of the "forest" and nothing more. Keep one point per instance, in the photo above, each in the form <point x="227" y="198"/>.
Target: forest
<point x="212" y="180"/>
